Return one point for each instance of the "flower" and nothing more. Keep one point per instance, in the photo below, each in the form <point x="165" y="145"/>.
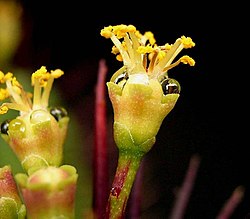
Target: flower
<point x="11" y="30"/>
<point x="49" y="192"/>
<point x="37" y="134"/>
<point x="141" y="92"/>
<point x="10" y="202"/>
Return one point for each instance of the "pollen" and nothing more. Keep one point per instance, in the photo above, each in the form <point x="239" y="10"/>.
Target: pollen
<point x="140" y="53"/>
<point x="57" y="73"/>
<point x="22" y="101"/>
<point x="187" y="60"/>
<point x="3" y="109"/>
<point x="187" y="42"/>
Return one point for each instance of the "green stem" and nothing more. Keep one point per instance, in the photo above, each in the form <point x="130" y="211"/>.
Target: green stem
<point x="128" y="164"/>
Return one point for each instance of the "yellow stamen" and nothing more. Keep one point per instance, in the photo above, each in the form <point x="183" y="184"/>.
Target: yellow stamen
<point x="14" y="92"/>
<point x="137" y="49"/>
<point x="37" y="93"/>
<point x="184" y="59"/>
<point x="14" y="106"/>
<point x="21" y="100"/>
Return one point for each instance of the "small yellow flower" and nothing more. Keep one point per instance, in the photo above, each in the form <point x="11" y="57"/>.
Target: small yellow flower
<point x="141" y="92"/>
<point x="38" y="133"/>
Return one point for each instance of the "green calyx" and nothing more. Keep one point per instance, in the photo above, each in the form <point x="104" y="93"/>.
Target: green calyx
<point x="48" y="178"/>
<point x="9" y="209"/>
<point x="125" y="142"/>
<point x="37" y="139"/>
<point x="49" y="192"/>
<point x="139" y="110"/>
<point x="10" y="202"/>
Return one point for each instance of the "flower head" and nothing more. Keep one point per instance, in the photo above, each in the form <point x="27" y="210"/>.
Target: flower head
<point x="141" y="92"/>
<point x="37" y="134"/>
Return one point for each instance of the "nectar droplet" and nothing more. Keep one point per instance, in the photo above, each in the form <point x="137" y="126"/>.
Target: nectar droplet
<point x="5" y="127"/>
<point x="170" y="86"/>
<point x="58" y="112"/>
<point x="17" y="125"/>
<point x="39" y="116"/>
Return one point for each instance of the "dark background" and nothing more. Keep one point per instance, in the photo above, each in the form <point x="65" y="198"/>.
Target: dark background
<point x="210" y="117"/>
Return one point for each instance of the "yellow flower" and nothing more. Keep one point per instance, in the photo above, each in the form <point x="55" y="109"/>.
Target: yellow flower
<point x="37" y="134"/>
<point x="141" y="92"/>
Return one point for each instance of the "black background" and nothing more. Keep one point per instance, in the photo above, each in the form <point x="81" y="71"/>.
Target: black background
<point x="210" y="118"/>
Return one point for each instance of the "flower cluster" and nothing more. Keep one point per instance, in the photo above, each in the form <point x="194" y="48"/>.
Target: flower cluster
<point x="37" y="136"/>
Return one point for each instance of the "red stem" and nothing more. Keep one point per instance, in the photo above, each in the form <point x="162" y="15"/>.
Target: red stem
<point x="126" y="171"/>
<point x="231" y="203"/>
<point x="185" y="191"/>
<point x="100" y="161"/>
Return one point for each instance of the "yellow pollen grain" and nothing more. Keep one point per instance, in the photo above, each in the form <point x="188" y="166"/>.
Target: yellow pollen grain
<point x="3" y="109"/>
<point x="167" y="46"/>
<point x="115" y="50"/>
<point x="145" y="49"/>
<point x="119" y="58"/>
<point x="8" y="76"/>
<point x="150" y="37"/>
<point x="57" y="73"/>
<point x="187" y="60"/>
<point x="1" y="77"/>
<point x="3" y="94"/>
<point x="161" y="55"/>
<point x="187" y="42"/>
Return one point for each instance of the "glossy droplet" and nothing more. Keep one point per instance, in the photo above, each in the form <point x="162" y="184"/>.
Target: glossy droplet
<point x="115" y="191"/>
<point x="121" y="79"/>
<point x="5" y="126"/>
<point x="39" y="116"/>
<point x="170" y="86"/>
<point x="17" y="125"/>
<point x="58" y="112"/>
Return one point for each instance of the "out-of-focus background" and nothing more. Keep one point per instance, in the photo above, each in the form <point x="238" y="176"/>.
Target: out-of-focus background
<point x="210" y="116"/>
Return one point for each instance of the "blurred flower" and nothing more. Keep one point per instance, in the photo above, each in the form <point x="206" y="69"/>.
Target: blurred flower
<point x="49" y="192"/>
<point x="10" y="31"/>
<point x="10" y="203"/>
<point x="141" y="92"/>
<point x="38" y="133"/>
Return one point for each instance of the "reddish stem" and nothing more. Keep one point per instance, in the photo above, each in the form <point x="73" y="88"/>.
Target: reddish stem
<point x="127" y="168"/>
<point x="231" y="203"/>
<point x="185" y="190"/>
<point x="100" y="181"/>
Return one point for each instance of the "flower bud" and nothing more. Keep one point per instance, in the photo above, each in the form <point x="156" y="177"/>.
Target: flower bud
<point x="10" y="202"/>
<point x="49" y="192"/>
<point x="139" y="110"/>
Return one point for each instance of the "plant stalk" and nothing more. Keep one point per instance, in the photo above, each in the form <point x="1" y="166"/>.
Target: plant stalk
<point x="100" y="160"/>
<point x="128" y="164"/>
